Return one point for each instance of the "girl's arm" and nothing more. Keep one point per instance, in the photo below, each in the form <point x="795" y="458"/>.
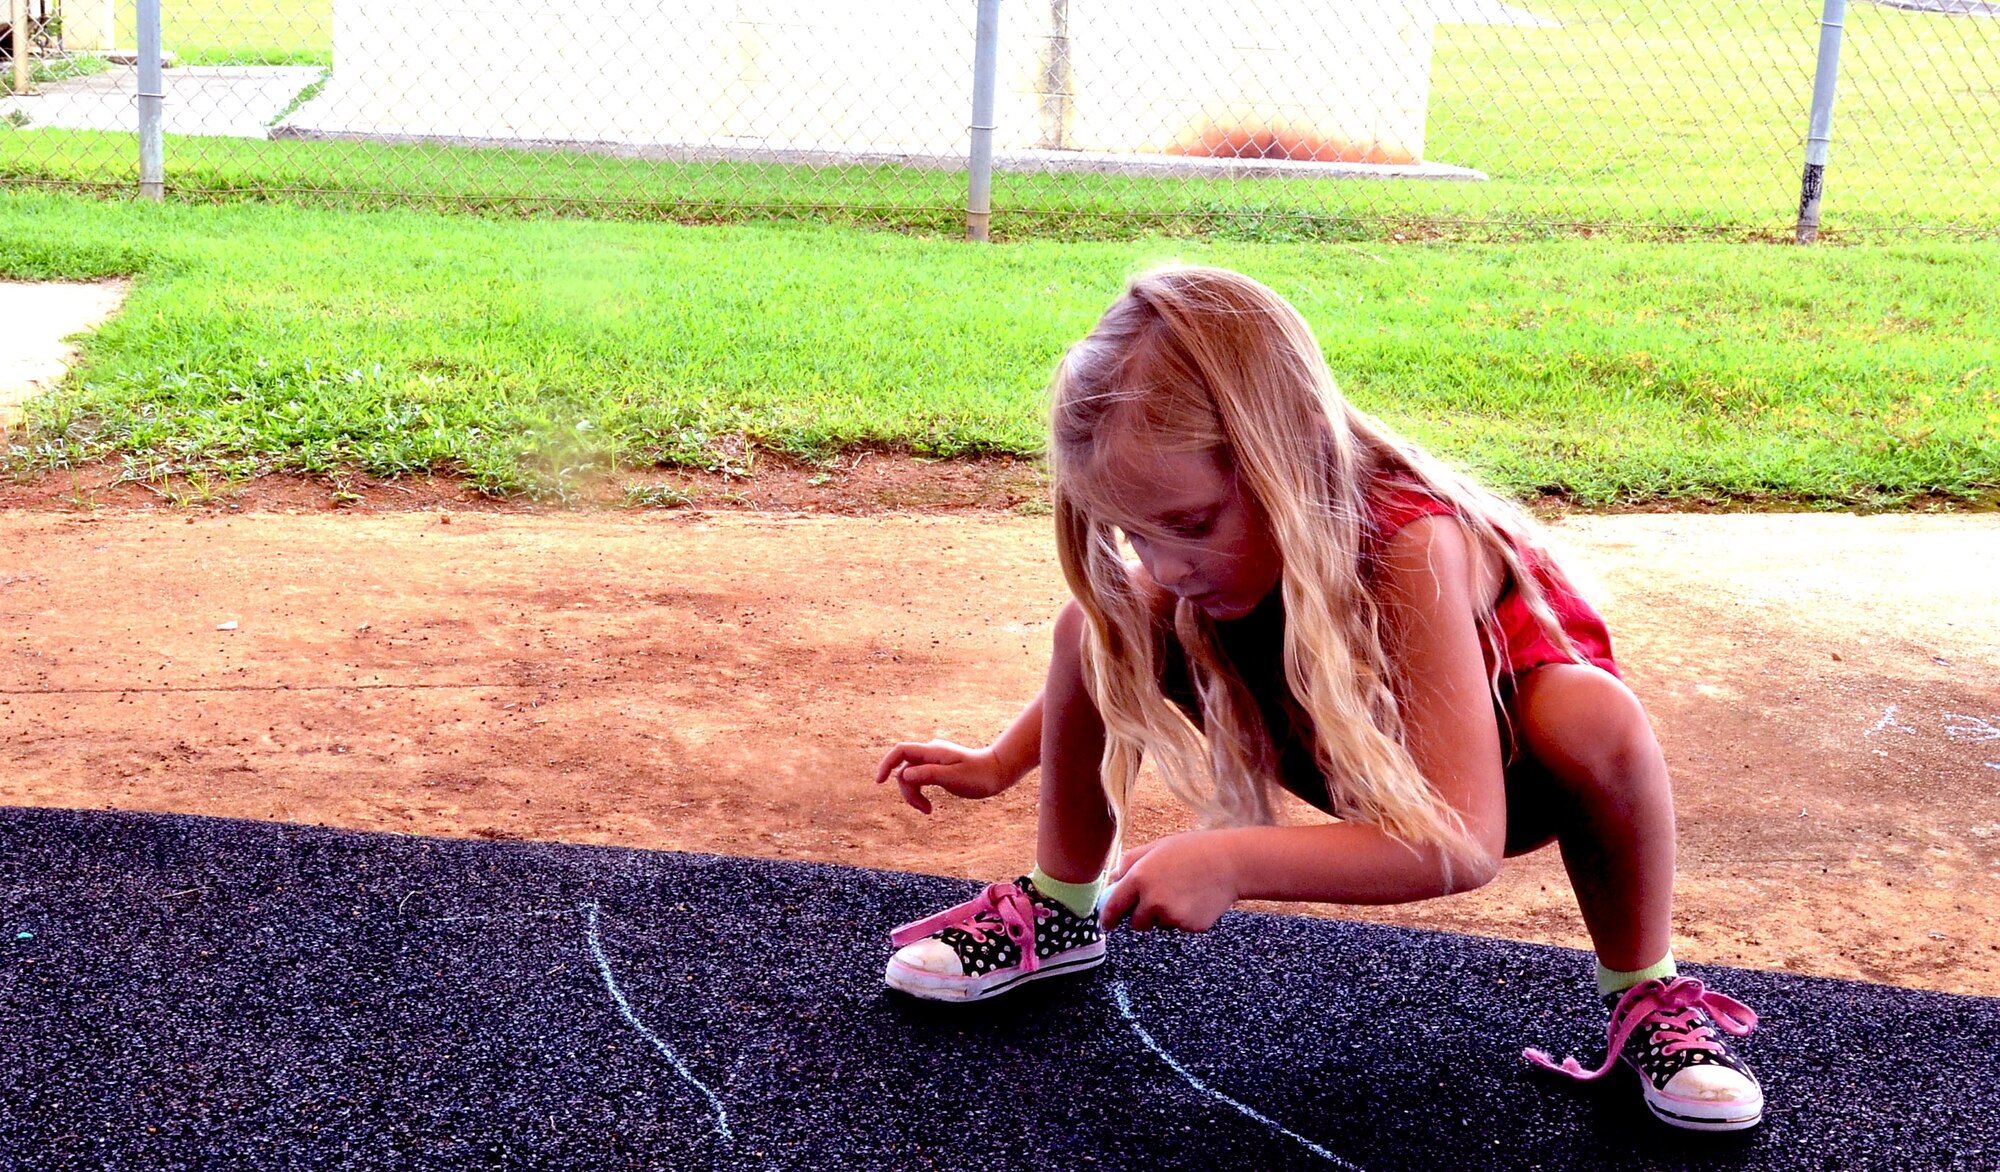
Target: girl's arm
<point x="1019" y="749"/>
<point x="1433" y="586"/>
<point x="964" y="771"/>
<point x="1188" y="880"/>
<point x="1430" y="586"/>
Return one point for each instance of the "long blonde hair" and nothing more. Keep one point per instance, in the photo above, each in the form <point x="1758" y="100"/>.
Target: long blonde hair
<point x="1205" y="360"/>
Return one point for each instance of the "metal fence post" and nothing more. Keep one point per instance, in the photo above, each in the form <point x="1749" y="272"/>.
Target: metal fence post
<point x="1820" y="130"/>
<point x="979" y="168"/>
<point x="152" y="97"/>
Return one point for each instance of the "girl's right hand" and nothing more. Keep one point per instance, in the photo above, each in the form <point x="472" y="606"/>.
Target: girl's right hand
<point x="955" y="769"/>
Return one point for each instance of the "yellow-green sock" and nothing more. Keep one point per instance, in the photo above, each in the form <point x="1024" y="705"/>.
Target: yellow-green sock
<point x="1611" y="981"/>
<point x="1077" y="897"/>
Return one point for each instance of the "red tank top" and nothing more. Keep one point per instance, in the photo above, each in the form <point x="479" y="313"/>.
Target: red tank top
<point x="1525" y="646"/>
<point x="1254" y="644"/>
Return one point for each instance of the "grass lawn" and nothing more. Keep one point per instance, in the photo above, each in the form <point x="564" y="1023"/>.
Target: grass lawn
<point x="248" y="32"/>
<point x="1629" y="114"/>
<point x="526" y="354"/>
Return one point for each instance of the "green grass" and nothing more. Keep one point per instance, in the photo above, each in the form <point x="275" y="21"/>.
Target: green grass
<point x="532" y="356"/>
<point x="248" y="32"/>
<point x="1630" y="116"/>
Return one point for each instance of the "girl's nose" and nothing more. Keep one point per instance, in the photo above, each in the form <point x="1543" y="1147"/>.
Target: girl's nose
<point x="1169" y="571"/>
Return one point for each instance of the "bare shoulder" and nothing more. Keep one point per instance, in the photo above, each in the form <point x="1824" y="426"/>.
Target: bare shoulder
<point x="1433" y="561"/>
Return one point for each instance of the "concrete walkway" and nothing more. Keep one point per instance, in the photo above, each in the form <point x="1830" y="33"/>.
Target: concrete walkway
<point x="233" y="101"/>
<point x="35" y="319"/>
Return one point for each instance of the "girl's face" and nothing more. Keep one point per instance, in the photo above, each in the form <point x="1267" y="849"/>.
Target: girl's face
<point x="1195" y="531"/>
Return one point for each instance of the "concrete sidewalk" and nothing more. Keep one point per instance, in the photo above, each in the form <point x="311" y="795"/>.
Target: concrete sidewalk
<point x="35" y="319"/>
<point x="233" y="101"/>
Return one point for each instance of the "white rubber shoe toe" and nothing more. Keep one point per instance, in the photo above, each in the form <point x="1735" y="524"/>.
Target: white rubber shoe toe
<point x="929" y="955"/>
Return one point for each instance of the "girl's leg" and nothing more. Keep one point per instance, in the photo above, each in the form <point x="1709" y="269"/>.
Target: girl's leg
<point x="1595" y="779"/>
<point x="1593" y="776"/>
<point x="1075" y="828"/>
<point x="972" y="951"/>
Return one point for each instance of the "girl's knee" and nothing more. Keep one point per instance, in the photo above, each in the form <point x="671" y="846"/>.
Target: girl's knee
<point x="1585" y="726"/>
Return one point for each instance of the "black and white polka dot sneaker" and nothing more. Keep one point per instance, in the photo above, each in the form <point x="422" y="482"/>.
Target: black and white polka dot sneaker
<point x="1671" y="1032"/>
<point x="1006" y="935"/>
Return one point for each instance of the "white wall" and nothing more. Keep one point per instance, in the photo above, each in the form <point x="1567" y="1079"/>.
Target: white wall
<point x="89" y="24"/>
<point x="879" y="75"/>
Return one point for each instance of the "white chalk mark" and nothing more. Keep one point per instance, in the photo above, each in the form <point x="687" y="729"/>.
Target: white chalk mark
<point x="562" y="911"/>
<point x="1889" y="721"/>
<point x="1972" y="729"/>
<point x="1125" y="1007"/>
<point x="625" y="1009"/>
<point x="1993" y="765"/>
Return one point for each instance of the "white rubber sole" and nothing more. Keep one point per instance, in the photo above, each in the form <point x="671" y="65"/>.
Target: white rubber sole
<point x="1703" y="1115"/>
<point x="936" y="987"/>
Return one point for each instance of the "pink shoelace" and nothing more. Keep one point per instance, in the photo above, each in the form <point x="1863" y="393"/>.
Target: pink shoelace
<point x="1002" y="907"/>
<point x="1674" y="1008"/>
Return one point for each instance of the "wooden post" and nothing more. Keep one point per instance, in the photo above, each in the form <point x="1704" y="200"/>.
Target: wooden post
<point x="24" y="75"/>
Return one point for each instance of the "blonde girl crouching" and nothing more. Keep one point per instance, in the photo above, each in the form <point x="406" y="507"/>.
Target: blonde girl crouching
<point x="1316" y="605"/>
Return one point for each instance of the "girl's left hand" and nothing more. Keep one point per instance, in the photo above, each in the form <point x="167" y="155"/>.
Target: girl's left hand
<point x="1183" y="881"/>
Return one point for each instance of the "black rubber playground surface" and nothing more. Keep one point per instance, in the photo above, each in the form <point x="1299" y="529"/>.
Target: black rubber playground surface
<point x="181" y="992"/>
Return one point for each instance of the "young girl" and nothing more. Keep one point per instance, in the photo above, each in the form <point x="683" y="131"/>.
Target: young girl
<point x="1316" y="604"/>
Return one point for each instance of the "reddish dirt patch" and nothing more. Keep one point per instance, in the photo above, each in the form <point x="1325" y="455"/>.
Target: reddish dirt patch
<point x="862" y="482"/>
<point x="1825" y="687"/>
<point x="1263" y="142"/>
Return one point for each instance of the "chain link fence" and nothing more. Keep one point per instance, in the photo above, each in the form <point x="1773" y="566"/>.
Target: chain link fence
<point x="1262" y="118"/>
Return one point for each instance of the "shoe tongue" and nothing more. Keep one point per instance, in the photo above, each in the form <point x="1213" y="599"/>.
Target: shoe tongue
<point x="1612" y="999"/>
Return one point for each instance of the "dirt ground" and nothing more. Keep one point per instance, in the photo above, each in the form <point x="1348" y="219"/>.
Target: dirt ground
<point x="1827" y="688"/>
